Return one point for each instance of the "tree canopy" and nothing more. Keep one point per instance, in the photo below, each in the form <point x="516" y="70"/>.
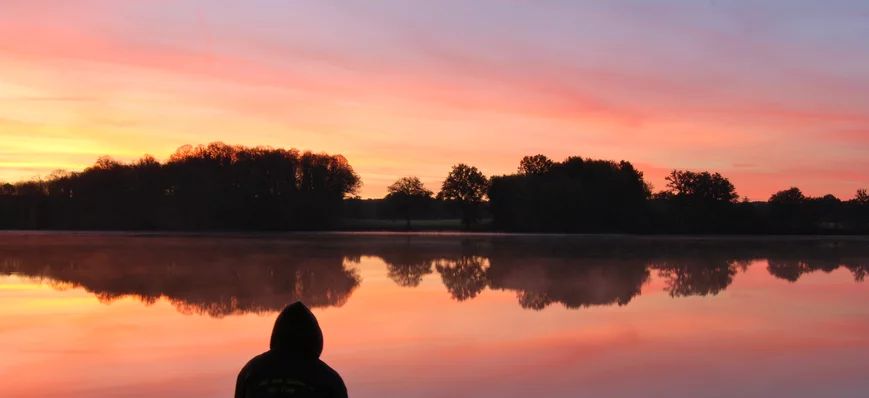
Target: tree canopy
<point x="702" y="186"/>
<point x="862" y="197"/>
<point x="467" y="186"/>
<point x="576" y="195"/>
<point x="408" y="197"/>
<point x="793" y="196"/>
<point x="215" y="186"/>
<point x="409" y="186"/>
<point x="535" y="165"/>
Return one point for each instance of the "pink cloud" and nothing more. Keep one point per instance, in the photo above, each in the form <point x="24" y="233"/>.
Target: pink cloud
<point x="856" y="137"/>
<point x="406" y="102"/>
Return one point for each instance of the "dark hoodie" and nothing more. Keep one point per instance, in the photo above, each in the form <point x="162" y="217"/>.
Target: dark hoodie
<point x="292" y="367"/>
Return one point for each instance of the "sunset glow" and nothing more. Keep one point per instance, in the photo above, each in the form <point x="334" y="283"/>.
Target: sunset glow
<point x="771" y="94"/>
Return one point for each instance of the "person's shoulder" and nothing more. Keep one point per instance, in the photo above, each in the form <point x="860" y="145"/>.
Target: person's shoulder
<point x="326" y="367"/>
<point x="334" y="380"/>
<point x="248" y="372"/>
<point x="261" y="360"/>
<point x="332" y="374"/>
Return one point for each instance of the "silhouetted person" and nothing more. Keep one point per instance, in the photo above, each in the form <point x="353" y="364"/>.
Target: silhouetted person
<point x="292" y="366"/>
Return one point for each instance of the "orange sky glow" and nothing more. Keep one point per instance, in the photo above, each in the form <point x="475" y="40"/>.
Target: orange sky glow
<point x="771" y="95"/>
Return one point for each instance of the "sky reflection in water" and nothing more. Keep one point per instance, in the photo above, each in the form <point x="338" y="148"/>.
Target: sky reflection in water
<point x="439" y="316"/>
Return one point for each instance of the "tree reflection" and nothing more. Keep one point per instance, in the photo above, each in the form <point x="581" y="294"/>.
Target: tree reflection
<point x="576" y="282"/>
<point x="533" y="300"/>
<point x="792" y="270"/>
<point x="859" y="270"/>
<point x="465" y="277"/>
<point x="792" y="263"/>
<point x="406" y="268"/>
<point x="217" y="279"/>
<point x="586" y="274"/>
<point x="580" y="274"/>
<point x="224" y="276"/>
<point x="788" y="269"/>
<point x="696" y="277"/>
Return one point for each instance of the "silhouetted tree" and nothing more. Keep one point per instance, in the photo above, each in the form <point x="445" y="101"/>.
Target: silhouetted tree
<point x="793" y="196"/>
<point x="577" y="195"/>
<point x="827" y="212"/>
<point x="701" y="202"/>
<point x="217" y="186"/>
<point x="789" y="211"/>
<point x="408" y="197"/>
<point x="467" y="186"/>
<point x="535" y="165"/>
<point x="859" y="211"/>
<point x="862" y="197"/>
<point x="701" y="186"/>
<point x="664" y="195"/>
<point x="223" y="187"/>
<point x="106" y="162"/>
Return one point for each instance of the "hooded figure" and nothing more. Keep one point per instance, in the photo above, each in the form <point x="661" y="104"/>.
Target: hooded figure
<point x="292" y="366"/>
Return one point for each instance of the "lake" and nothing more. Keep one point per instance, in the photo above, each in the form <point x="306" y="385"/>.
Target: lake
<point x="115" y="315"/>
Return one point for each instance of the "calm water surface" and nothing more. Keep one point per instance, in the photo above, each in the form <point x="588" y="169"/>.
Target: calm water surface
<point x="438" y="316"/>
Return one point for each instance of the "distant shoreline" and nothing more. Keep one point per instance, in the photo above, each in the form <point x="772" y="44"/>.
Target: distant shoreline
<point x="444" y="234"/>
<point x="231" y="188"/>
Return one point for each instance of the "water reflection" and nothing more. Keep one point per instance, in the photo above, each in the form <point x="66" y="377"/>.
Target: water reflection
<point x="215" y="278"/>
<point x="229" y="276"/>
<point x="791" y="269"/>
<point x="574" y="282"/>
<point x="406" y="268"/>
<point x="696" y="277"/>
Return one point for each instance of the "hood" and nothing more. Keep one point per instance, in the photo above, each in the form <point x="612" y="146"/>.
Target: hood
<point x="297" y="333"/>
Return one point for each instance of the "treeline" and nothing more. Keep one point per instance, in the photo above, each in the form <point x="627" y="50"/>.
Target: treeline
<point x="222" y="187"/>
<point x="577" y="195"/>
<point x="213" y="187"/>
<point x="581" y="195"/>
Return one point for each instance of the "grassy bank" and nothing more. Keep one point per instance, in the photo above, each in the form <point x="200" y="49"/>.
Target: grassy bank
<point x="445" y="225"/>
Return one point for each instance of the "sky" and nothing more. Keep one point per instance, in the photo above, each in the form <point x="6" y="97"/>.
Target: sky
<point x="771" y="93"/>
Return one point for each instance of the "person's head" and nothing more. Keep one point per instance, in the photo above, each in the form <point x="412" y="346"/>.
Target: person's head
<point x="297" y="333"/>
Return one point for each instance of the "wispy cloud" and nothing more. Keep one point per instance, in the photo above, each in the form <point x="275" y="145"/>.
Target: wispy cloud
<point x="419" y="85"/>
